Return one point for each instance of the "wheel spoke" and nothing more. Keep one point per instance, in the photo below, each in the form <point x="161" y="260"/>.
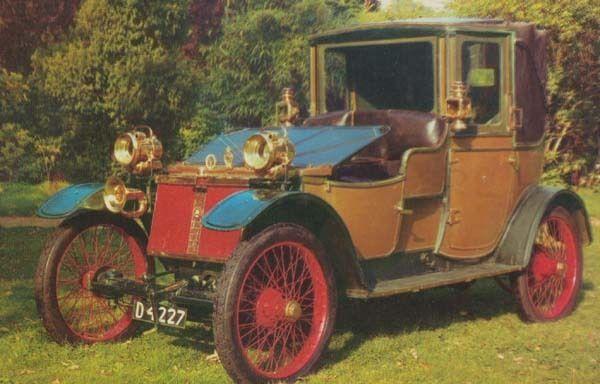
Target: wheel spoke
<point x="90" y="252"/>
<point x="278" y="306"/>
<point x="550" y="282"/>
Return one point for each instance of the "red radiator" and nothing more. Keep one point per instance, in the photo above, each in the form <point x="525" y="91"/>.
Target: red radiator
<point x="177" y="229"/>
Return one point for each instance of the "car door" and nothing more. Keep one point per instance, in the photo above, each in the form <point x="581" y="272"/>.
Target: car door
<point x="483" y="165"/>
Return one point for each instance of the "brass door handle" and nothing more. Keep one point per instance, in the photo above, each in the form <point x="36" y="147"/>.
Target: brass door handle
<point x="514" y="161"/>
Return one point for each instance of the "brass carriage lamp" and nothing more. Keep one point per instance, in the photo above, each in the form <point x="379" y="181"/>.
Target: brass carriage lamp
<point x="287" y="110"/>
<point x="458" y="106"/>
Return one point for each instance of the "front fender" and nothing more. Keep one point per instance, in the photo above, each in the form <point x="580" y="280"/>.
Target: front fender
<point x="68" y="201"/>
<point x="254" y="210"/>
<point x="241" y="208"/>
<point x="518" y="240"/>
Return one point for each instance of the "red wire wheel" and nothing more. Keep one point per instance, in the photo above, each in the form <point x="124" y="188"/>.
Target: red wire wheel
<point x="547" y="290"/>
<point x="279" y="293"/>
<point x="75" y="256"/>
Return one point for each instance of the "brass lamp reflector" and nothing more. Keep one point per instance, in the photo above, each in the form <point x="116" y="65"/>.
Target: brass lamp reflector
<point x="116" y="195"/>
<point x="139" y="151"/>
<point x="266" y="150"/>
<point x="125" y="151"/>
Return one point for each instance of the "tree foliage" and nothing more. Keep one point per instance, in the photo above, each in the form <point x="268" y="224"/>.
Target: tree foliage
<point x="122" y="66"/>
<point x="27" y="24"/>
<point x="573" y="142"/>
<point x="263" y="50"/>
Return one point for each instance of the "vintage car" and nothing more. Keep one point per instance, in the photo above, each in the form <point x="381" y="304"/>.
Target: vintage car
<point x="418" y="167"/>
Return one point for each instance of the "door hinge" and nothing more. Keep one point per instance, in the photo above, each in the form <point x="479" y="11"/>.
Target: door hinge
<point x="401" y="210"/>
<point x="453" y="217"/>
<point x="515" y="118"/>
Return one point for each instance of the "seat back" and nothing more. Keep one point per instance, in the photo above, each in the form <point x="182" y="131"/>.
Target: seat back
<point x="408" y="129"/>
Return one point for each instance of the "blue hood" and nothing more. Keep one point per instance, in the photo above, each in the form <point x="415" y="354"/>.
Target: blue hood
<point x="328" y="145"/>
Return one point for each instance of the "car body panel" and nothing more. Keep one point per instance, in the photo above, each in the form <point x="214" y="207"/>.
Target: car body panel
<point x="177" y="229"/>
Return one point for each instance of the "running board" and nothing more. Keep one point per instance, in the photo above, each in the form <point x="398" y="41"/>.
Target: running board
<point x="432" y="280"/>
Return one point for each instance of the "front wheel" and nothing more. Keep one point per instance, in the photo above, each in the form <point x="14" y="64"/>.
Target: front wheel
<point x="547" y="289"/>
<point x="76" y="254"/>
<point x="276" y="306"/>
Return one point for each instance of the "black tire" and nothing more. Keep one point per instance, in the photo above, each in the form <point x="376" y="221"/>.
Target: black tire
<point x="47" y="273"/>
<point x="232" y="283"/>
<point x="535" y="304"/>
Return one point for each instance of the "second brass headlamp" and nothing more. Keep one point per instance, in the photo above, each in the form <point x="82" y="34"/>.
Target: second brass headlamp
<point x="266" y="150"/>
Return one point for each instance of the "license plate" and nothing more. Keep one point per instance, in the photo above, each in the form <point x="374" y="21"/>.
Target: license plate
<point x="168" y="316"/>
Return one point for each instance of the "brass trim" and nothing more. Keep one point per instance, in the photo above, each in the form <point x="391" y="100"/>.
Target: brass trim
<point x="195" y="232"/>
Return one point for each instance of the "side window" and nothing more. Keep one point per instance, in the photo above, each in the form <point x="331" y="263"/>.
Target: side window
<point x="481" y="72"/>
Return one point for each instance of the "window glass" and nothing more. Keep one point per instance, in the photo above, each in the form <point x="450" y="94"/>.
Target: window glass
<point x="481" y="72"/>
<point x="391" y="76"/>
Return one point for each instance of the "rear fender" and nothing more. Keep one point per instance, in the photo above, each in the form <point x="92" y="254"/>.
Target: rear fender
<point x="255" y="210"/>
<point x="518" y="240"/>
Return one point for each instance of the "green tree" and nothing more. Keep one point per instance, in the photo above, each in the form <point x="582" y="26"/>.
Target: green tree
<point x="262" y="49"/>
<point x="121" y="66"/>
<point x="573" y="141"/>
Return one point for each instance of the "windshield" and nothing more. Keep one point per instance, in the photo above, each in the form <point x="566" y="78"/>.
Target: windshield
<point x="386" y="76"/>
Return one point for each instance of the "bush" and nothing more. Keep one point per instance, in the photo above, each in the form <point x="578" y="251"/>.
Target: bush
<point x="121" y="66"/>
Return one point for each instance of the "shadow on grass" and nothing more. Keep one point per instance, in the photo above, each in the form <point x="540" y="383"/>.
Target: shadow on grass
<point x="198" y="335"/>
<point x="429" y="310"/>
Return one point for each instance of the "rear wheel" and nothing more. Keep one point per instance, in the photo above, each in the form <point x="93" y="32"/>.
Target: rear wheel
<point x="276" y="306"/>
<point x="547" y="289"/>
<point x="76" y="254"/>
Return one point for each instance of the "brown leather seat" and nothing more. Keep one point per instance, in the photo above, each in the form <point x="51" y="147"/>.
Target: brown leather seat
<point x="408" y="129"/>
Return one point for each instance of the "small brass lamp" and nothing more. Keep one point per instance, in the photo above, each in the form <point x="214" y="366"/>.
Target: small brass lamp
<point x="458" y="106"/>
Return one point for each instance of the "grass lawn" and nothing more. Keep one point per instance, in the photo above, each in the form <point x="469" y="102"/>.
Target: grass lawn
<point x="438" y="336"/>
<point x="18" y="199"/>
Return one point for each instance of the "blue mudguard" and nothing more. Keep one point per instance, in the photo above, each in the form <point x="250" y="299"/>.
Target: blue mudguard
<point x="239" y="209"/>
<point x="71" y="199"/>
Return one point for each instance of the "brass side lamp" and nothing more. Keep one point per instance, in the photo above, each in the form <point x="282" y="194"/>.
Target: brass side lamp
<point x="458" y="106"/>
<point x="287" y="110"/>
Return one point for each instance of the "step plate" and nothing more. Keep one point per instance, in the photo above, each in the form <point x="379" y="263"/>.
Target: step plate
<point x="432" y="280"/>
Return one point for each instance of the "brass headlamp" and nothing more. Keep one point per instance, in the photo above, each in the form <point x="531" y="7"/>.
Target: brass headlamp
<point x="139" y="151"/>
<point x="116" y="195"/>
<point x="266" y="150"/>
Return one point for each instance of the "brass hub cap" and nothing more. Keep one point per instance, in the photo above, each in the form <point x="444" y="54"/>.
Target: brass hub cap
<point x="293" y="310"/>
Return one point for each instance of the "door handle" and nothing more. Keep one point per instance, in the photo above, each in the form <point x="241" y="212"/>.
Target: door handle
<point x="514" y="161"/>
